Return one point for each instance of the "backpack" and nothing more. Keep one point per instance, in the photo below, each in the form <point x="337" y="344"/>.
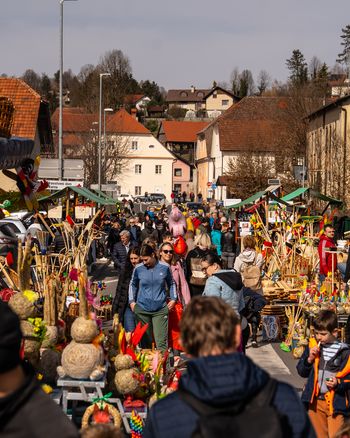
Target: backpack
<point x="198" y="278"/>
<point x="252" y="275"/>
<point x="256" y="418"/>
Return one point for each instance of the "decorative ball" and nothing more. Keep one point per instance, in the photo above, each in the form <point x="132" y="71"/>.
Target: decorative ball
<point x="84" y="330"/>
<point x="21" y="306"/>
<point x="126" y="381"/>
<point x="79" y="360"/>
<point x="51" y="337"/>
<point x="123" y="362"/>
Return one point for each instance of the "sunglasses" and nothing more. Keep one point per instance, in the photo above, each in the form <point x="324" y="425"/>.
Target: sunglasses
<point x="168" y="251"/>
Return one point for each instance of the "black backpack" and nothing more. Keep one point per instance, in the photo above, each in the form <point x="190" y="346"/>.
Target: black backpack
<point x="256" y="418"/>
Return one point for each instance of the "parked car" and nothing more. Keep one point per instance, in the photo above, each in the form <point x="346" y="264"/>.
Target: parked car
<point x="124" y="196"/>
<point x="8" y="242"/>
<point x="141" y="199"/>
<point x="16" y="225"/>
<point x="195" y="206"/>
<point x="158" y="197"/>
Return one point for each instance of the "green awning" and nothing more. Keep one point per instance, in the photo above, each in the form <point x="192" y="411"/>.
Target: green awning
<point x="325" y="197"/>
<point x="103" y="195"/>
<point x="82" y="191"/>
<point x="249" y="200"/>
<point x="298" y="192"/>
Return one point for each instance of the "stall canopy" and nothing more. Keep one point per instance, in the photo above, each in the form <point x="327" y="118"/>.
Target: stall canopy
<point x="313" y="193"/>
<point x="82" y="191"/>
<point x="249" y="200"/>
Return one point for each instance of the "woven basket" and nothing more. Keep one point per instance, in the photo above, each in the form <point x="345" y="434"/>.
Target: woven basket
<point x="6" y="116"/>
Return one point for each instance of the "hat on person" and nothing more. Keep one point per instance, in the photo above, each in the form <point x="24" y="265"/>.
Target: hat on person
<point x="10" y="338"/>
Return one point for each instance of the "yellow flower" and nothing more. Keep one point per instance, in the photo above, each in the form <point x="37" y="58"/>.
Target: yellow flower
<point x="47" y="388"/>
<point x="30" y="295"/>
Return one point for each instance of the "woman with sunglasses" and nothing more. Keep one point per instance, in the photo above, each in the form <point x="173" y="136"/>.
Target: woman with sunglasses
<point x="167" y="255"/>
<point x="120" y="301"/>
<point x="148" y="297"/>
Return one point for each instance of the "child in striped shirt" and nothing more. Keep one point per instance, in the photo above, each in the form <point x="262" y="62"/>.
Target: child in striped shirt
<point x="326" y="364"/>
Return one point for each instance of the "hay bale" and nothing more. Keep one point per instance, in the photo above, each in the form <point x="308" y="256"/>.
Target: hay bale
<point x="126" y="381"/>
<point x="123" y="362"/>
<point x="83" y="330"/>
<point x="51" y="337"/>
<point x="79" y="360"/>
<point x="21" y="306"/>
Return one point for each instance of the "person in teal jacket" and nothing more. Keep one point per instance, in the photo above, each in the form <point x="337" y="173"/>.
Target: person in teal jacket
<point x="148" y="297"/>
<point x="216" y="237"/>
<point x="222" y="283"/>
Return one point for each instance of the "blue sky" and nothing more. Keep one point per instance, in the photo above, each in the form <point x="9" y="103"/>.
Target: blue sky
<point x="175" y="43"/>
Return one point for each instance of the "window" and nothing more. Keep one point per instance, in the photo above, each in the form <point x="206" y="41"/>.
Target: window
<point x="224" y="102"/>
<point x="177" y="172"/>
<point x="177" y="188"/>
<point x="119" y="190"/>
<point x="138" y="168"/>
<point x="183" y="94"/>
<point x="118" y="168"/>
<point x="215" y="95"/>
<point x="137" y="190"/>
<point x="158" y="169"/>
<point x="151" y="146"/>
<point x="134" y="145"/>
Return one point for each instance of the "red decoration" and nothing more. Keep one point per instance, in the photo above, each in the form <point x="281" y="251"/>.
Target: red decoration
<point x="9" y="259"/>
<point x="180" y="246"/>
<point x="6" y="294"/>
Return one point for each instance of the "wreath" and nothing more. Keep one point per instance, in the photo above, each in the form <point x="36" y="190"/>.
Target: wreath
<point x="101" y="412"/>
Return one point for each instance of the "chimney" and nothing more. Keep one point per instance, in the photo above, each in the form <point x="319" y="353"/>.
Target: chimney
<point x="134" y="113"/>
<point x="193" y="88"/>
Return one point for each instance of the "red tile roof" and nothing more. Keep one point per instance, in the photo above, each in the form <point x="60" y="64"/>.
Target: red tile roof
<point x="186" y="95"/>
<point x="133" y="98"/>
<point x="182" y="132"/>
<point x="119" y="123"/>
<point x="254" y="123"/>
<point x="26" y="102"/>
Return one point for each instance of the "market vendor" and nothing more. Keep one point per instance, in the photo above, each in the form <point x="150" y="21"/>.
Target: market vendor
<point x="328" y="261"/>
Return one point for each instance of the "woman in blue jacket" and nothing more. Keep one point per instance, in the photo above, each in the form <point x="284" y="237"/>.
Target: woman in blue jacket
<point x="148" y="297"/>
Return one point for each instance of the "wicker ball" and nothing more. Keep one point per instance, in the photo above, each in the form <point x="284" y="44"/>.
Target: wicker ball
<point x="79" y="360"/>
<point x="126" y="381"/>
<point x="123" y="362"/>
<point x="31" y="343"/>
<point x="21" y="306"/>
<point x="84" y="330"/>
<point x="51" y="337"/>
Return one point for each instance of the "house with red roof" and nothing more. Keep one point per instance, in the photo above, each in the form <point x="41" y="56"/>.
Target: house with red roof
<point x="31" y="119"/>
<point x="138" y="101"/>
<point x="205" y="102"/>
<point x="133" y="158"/>
<point x="31" y="131"/>
<point x="257" y="125"/>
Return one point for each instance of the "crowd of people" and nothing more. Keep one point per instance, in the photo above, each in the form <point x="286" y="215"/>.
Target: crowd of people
<point x="199" y="290"/>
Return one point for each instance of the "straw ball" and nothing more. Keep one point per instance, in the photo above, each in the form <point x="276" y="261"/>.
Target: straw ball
<point x="126" y="381"/>
<point x="21" y="306"/>
<point x="51" y="337"/>
<point x="79" y="360"/>
<point x="84" y="330"/>
<point x="123" y="362"/>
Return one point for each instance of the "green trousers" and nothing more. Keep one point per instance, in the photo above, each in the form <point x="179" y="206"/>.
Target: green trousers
<point x="157" y="327"/>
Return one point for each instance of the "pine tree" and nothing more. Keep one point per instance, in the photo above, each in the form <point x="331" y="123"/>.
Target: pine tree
<point x="345" y="54"/>
<point x="297" y="67"/>
<point x="323" y="72"/>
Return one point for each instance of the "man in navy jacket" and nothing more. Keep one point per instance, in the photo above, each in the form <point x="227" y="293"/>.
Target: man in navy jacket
<point x="219" y="376"/>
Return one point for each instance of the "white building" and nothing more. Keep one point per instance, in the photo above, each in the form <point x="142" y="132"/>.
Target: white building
<point x="149" y="163"/>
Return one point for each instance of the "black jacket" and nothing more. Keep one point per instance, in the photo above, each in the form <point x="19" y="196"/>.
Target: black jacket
<point x="221" y="381"/>
<point x="119" y="254"/>
<point x="228" y="242"/>
<point x="29" y="412"/>
<point x="121" y="298"/>
<point x="135" y="234"/>
<point x="149" y="232"/>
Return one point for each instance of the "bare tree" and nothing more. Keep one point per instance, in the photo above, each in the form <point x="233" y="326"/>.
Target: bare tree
<point x="263" y="81"/>
<point x="116" y="152"/>
<point x="315" y="66"/>
<point x="234" y="79"/>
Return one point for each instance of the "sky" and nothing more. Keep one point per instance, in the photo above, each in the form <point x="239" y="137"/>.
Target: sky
<point x="175" y="43"/>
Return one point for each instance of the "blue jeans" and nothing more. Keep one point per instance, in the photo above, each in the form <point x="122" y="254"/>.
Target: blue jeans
<point x="129" y="320"/>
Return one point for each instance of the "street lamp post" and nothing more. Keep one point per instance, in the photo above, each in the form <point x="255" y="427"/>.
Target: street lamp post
<point x="99" y="131"/>
<point x="105" y="110"/>
<point x="60" y="122"/>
